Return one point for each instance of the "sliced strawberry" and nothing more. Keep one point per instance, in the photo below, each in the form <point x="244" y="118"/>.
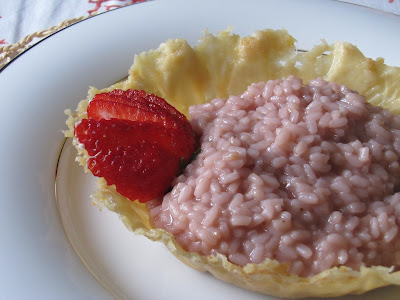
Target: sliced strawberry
<point x="146" y="104"/>
<point x="131" y="96"/>
<point x="108" y="134"/>
<point x="101" y="109"/>
<point x="137" y="157"/>
<point x="135" y="141"/>
<point x="121" y="96"/>
<point x="142" y="172"/>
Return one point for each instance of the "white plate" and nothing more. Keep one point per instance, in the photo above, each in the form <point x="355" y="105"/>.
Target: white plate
<point x="37" y="260"/>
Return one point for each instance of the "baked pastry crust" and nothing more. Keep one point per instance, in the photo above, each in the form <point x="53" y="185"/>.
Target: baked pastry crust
<point x="225" y="64"/>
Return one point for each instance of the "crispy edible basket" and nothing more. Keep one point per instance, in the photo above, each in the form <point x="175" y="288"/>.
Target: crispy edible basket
<point x="223" y="65"/>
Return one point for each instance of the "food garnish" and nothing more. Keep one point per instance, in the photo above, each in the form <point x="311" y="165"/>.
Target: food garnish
<point x="135" y="141"/>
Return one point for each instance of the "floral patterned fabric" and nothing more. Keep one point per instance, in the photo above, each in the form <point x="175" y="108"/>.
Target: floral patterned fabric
<point x="19" y="18"/>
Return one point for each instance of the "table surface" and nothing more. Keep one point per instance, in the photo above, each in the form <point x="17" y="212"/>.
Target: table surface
<point x="20" y="18"/>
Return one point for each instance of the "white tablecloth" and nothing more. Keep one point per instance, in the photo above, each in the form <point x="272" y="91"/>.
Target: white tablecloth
<point x="19" y="18"/>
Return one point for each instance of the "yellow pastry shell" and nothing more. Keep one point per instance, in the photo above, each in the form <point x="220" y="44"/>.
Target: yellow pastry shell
<point x="225" y="64"/>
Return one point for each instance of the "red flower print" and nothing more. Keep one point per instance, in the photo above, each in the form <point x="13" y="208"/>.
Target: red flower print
<point x="99" y="3"/>
<point x="3" y="41"/>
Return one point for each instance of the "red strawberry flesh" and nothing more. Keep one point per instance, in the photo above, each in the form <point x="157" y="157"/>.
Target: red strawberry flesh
<point x="138" y="112"/>
<point x="144" y="103"/>
<point x="135" y="141"/>
<point x="107" y="134"/>
<point x="142" y="172"/>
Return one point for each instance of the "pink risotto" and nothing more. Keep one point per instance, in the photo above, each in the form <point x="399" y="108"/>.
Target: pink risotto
<point x="304" y="174"/>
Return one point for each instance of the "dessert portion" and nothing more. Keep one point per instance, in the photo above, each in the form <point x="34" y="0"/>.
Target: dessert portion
<point x="309" y="161"/>
<point x="304" y="174"/>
